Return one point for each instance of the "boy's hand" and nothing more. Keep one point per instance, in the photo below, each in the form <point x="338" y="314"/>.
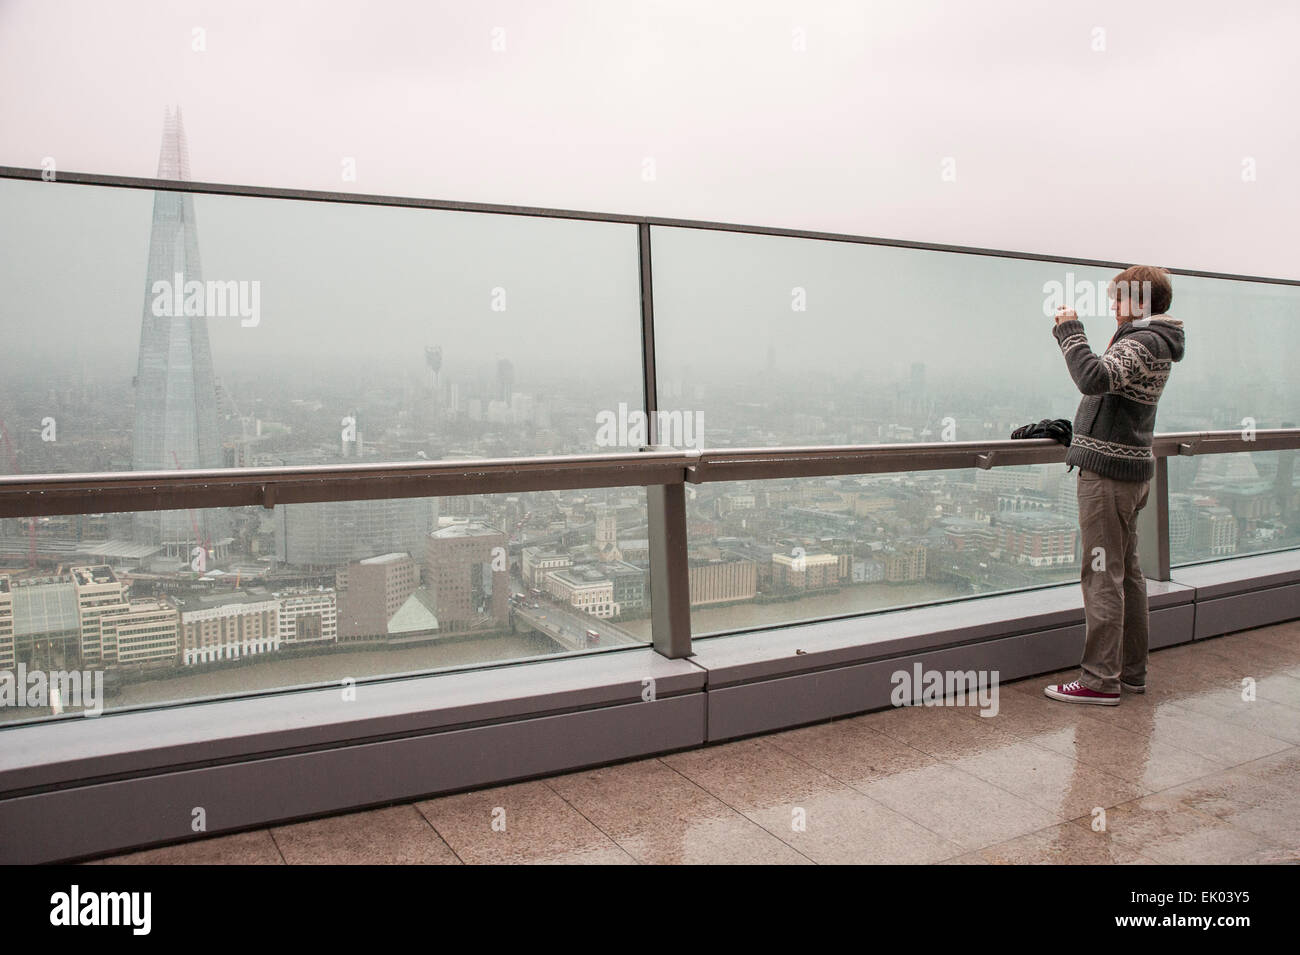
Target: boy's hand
<point x="1064" y="314"/>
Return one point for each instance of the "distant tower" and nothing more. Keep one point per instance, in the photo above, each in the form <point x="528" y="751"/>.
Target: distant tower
<point x="920" y="406"/>
<point x="175" y="391"/>
<point x="505" y="380"/>
<point x="350" y="440"/>
<point x="1284" y="481"/>
<point x="433" y="359"/>
<point x="607" y="535"/>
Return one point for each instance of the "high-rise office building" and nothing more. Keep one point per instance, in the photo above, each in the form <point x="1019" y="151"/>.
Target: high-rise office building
<point x="1284" y="480"/>
<point x="433" y="359"/>
<point x="372" y="591"/>
<point x="6" y="625"/>
<point x="505" y="380"/>
<point x="332" y="533"/>
<point x="466" y="570"/>
<point x="175" y="390"/>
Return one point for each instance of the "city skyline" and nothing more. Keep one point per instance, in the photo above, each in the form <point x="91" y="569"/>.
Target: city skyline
<point x="391" y="334"/>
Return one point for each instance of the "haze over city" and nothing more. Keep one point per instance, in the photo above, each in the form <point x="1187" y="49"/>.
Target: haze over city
<point x="399" y="334"/>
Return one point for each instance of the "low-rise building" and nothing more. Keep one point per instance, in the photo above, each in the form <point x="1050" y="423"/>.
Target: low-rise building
<point x="537" y="562"/>
<point x="308" y="616"/>
<point x="239" y="625"/>
<point x="724" y="579"/>
<point x="583" y="588"/>
<point x="805" y="571"/>
<point x="371" y="591"/>
<point x="146" y="633"/>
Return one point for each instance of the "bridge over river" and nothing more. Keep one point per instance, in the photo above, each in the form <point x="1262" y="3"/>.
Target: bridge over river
<point x="568" y="627"/>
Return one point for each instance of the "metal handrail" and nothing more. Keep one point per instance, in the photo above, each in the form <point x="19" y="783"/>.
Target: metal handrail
<point x="50" y="494"/>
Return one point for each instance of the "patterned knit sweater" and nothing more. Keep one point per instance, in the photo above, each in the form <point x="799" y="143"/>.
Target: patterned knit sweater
<point x="1115" y="420"/>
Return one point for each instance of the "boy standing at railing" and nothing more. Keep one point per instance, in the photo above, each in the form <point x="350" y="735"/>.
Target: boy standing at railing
<point x="1112" y="449"/>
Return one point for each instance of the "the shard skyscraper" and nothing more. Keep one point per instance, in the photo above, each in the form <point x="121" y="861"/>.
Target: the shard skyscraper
<point x="175" y="391"/>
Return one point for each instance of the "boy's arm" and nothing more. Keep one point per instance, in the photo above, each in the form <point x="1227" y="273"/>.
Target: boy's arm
<point x="1092" y="374"/>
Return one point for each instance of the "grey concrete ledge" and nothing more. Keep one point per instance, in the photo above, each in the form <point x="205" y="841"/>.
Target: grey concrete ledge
<point x="70" y="824"/>
<point x="1238" y="575"/>
<point x="75" y="750"/>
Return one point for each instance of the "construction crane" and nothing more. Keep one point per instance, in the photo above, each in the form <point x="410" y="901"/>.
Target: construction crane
<point x="14" y="469"/>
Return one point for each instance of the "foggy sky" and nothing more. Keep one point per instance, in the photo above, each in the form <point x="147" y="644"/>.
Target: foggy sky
<point x="847" y="135"/>
<point x="1047" y="133"/>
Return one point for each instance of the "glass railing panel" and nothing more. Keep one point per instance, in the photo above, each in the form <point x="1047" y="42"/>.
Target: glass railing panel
<point x="1239" y="370"/>
<point x="304" y="332"/>
<point x="781" y="341"/>
<point x="771" y="553"/>
<point x="769" y="341"/>
<point x="311" y="594"/>
<point x="1232" y="505"/>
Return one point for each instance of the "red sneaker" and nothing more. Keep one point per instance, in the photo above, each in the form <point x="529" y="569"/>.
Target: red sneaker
<point x="1076" y="692"/>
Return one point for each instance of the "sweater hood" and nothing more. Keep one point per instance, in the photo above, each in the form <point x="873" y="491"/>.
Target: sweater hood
<point x="1169" y="329"/>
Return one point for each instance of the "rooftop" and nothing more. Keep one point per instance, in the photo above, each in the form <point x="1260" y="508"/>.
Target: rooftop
<point x="120" y="549"/>
<point x="221" y="598"/>
<point x="1184" y="773"/>
<point x="386" y="558"/>
<point x="579" y="576"/>
<point x="474" y="529"/>
<point x="99" y="574"/>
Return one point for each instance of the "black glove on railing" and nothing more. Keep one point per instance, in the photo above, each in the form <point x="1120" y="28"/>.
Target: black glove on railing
<point x="1058" y="430"/>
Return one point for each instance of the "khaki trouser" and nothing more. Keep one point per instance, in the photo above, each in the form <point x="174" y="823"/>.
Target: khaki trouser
<point x="1114" y="590"/>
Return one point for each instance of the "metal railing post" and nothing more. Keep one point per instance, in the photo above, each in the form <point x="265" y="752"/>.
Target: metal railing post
<point x="1153" y="526"/>
<point x="670" y="583"/>
<point x="649" y="375"/>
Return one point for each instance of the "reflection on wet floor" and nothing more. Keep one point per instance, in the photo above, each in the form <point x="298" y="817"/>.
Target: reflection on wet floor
<point x="1203" y="768"/>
